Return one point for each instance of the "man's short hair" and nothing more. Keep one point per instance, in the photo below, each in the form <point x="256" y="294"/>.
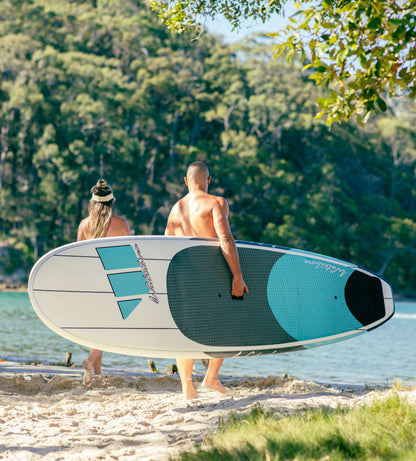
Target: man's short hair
<point x="198" y="171"/>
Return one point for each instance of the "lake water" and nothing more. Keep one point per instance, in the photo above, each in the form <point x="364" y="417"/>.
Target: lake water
<point x="376" y="358"/>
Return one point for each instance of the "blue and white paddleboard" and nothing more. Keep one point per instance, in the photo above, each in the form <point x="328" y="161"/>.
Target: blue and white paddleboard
<point x="169" y="297"/>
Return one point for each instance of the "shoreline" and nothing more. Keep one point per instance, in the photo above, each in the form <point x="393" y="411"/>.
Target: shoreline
<point x="47" y="413"/>
<point x="13" y="287"/>
<point x="9" y="369"/>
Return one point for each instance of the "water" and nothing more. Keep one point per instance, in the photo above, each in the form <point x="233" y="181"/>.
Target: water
<point x="376" y="358"/>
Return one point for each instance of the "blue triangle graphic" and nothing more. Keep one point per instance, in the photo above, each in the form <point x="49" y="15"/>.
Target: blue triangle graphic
<point x="127" y="307"/>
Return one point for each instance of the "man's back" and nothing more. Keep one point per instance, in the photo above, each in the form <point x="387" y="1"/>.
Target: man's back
<point x="200" y="214"/>
<point x="196" y="215"/>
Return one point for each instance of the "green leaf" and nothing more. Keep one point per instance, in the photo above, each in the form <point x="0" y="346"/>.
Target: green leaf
<point x="381" y="104"/>
<point x="320" y="114"/>
<point x="317" y="77"/>
<point x="374" y="23"/>
<point x="323" y="102"/>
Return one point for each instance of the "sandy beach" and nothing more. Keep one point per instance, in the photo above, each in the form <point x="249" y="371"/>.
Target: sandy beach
<point x="46" y="413"/>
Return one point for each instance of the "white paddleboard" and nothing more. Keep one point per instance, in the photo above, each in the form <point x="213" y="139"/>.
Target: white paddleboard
<point x="168" y="297"/>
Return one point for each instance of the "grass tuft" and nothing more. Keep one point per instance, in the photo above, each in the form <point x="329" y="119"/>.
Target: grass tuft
<point x="382" y="430"/>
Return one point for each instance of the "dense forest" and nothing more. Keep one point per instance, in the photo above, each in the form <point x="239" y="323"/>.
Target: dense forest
<point x="100" y="89"/>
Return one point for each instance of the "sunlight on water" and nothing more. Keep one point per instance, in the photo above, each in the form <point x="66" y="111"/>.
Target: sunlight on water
<point x="378" y="357"/>
<point x="405" y="316"/>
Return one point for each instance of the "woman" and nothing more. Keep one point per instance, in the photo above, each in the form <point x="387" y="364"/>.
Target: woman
<point x="100" y="223"/>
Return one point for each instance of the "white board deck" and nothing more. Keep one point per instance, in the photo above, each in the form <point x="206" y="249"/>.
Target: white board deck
<point x="169" y="297"/>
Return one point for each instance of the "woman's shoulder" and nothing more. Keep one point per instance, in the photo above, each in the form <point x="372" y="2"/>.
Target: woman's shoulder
<point x="118" y="219"/>
<point x="118" y="226"/>
<point x="83" y="229"/>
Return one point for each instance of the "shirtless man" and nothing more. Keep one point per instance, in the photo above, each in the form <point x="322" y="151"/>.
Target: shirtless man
<point x="200" y="214"/>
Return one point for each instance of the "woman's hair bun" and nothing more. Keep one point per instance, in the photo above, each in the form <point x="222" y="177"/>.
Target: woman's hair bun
<point x="102" y="189"/>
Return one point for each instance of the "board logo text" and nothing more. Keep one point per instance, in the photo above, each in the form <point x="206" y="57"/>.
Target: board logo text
<point x="145" y="270"/>
<point x="326" y="266"/>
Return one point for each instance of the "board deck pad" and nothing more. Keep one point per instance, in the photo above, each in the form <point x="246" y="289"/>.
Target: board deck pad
<point x="171" y="297"/>
<point x="283" y="288"/>
<point x="219" y="320"/>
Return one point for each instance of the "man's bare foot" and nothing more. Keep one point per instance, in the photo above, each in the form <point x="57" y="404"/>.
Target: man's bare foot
<point x="189" y="392"/>
<point x="87" y="379"/>
<point x="215" y="386"/>
<point x="191" y="396"/>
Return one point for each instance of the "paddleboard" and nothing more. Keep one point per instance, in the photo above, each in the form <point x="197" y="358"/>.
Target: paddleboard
<point x="167" y="297"/>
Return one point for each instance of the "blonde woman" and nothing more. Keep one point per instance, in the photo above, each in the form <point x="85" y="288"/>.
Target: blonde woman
<point x="100" y="223"/>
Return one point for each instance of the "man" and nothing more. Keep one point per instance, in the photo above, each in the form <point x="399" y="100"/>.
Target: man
<point x="200" y="214"/>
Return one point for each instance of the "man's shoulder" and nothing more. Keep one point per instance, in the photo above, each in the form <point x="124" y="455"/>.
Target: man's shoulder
<point x="211" y="198"/>
<point x="176" y="206"/>
<point x="218" y="200"/>
<point x="213" y="201"/>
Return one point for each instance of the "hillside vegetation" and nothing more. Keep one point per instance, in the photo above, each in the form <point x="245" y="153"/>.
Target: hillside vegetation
<point x="93" y="89"/>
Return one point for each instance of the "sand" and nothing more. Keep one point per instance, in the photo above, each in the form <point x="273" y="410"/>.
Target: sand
<point x="46" y="413"/>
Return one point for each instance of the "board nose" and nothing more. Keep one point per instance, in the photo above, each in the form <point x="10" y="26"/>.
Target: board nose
<point x="364" y="297"/>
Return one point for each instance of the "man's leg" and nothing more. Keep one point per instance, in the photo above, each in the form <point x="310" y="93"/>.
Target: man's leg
<point x="211" y="380"/>
<point x="185" y="368"/>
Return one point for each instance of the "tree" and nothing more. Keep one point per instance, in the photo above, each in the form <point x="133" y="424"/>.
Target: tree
<point x="100" y="88"/>
<point x="360" y="50"/>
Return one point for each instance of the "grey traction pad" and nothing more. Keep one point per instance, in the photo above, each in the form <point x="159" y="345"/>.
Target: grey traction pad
<point x="199" y="293"/>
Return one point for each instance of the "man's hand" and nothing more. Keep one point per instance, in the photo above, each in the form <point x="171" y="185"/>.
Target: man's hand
<point x="239" y="286"/>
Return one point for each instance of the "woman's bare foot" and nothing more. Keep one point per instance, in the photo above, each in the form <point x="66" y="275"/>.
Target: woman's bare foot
<point x="87" y="379"/>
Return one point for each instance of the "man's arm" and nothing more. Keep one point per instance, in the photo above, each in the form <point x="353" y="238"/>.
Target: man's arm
<point x="228" y="246"/>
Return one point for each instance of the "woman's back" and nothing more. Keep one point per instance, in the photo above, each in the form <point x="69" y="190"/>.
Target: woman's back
<point x="117" y="227"/>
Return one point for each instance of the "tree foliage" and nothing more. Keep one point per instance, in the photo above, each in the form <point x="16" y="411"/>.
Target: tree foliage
<point x="359" y="50"/>
<point x="92" y="89"/>
<point x="183" y="15"/>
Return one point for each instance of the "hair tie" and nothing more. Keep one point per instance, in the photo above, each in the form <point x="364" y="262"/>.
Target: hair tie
<point x="105" y="198"/>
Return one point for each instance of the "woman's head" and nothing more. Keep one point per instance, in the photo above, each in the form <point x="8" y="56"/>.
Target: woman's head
<point x="100" y="209"/>
<point x="102" y="193"/>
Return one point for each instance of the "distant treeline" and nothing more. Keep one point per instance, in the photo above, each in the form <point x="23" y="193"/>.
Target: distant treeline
<point x="99" y="89"/>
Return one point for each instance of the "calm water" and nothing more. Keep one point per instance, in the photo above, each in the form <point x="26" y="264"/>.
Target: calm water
<point x="378" y="357"/>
